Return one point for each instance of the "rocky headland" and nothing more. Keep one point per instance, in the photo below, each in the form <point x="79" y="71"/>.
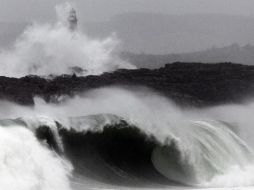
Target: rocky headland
<point x="188" y="84"/>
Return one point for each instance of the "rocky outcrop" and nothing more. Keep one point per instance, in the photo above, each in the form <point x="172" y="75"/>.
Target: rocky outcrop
<point x="193" y="84"/>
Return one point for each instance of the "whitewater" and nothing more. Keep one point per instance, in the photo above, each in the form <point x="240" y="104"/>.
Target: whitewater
<point x="113" y="138"/>
<point x="53" y="49"/>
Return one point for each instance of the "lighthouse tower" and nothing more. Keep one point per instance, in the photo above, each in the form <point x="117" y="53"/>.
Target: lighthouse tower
<point x="72" y="20"/>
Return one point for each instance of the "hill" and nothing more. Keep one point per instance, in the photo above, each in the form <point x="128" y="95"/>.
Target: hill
<point x="164" y="34"/>
<point x="233" y="53"/>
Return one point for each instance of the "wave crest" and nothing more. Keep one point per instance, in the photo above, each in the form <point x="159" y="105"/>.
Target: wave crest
<point x="201" y="155"/>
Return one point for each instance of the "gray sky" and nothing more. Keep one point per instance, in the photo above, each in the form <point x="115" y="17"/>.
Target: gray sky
<point x="26" y="10"/>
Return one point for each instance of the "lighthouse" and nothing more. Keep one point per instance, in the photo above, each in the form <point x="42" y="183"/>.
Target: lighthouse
<point x="72" y="20"/>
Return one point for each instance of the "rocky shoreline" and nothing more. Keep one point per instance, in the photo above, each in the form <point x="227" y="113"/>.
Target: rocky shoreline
<point x="188" y="84"/>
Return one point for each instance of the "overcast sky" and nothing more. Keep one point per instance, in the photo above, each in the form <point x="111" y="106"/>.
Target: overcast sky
<point x="27" y="10"/>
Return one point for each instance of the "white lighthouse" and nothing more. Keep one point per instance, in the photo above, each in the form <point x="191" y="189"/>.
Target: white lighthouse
<point x="72" y="20"/>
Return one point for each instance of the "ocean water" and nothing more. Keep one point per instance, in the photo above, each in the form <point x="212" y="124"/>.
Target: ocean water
<point x="112" y="138"/>
<point x="108" y="151"/>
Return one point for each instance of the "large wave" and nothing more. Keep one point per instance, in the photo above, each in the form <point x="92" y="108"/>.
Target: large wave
<point x="112" y="135"/>
<point x="121" y="137"/>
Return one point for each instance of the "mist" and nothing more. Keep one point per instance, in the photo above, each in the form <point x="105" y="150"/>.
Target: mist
<point x="45" y="49"/>
<point x="101" y="10"/>
<point x="171" y="26"/>
<point x="126" y="135"/>
<point x="190" y="129"/>
<point x="143" y="107"/>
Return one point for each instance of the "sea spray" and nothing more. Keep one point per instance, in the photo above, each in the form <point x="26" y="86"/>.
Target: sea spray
<point x="209" y="151"/>
<point x="55" y="49"/>
<point x="26" y="164"/>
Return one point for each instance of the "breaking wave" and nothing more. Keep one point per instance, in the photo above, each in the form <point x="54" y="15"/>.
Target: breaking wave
<point x="198" y="157"/>
<point x="113" y="150"/>
<point x="111" y="135"/>
<point x="123" y="138"/>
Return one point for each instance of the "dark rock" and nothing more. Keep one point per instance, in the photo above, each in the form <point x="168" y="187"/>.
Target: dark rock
<point x="194" y="84"/>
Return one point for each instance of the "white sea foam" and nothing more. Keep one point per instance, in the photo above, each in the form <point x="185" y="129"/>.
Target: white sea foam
<point x="45" y="49"/>
<point x="213" y="154"/>
<point x="26" y="165"/>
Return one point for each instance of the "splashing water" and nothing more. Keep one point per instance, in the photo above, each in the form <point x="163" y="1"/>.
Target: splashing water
<point x="25" y="164"/>
<point x="193" y="147"/>
<point x="55" y="49"/>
